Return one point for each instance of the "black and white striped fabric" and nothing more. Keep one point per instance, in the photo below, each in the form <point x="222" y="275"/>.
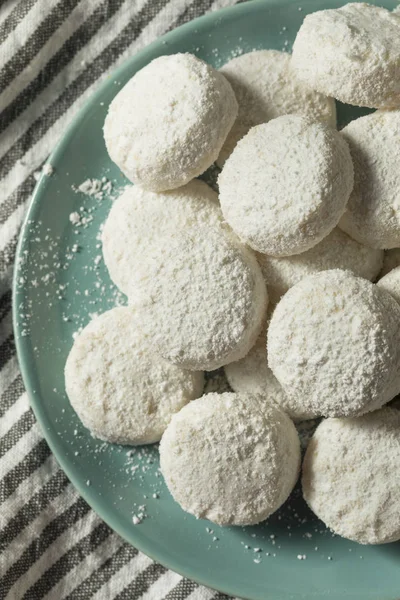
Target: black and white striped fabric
<point x="53" y="53"/>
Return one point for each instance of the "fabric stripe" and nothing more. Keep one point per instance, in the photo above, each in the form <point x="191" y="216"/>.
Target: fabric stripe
<point x="6" y="327"/>
<point x="11" y="395"/>
<point x="162" y="586"/>
<point x="56" y="507"/>
<point x="182" y="590"/>
<point x="37" y="106"/>
<point x="201" y="593"/>
<point x="83" y="568"/>
<point x="38" y="546"/>
<point x="141" y="583"/>
<point x="23" y="469"/>
<point x="14" y="390"/>
<point x="117" y="583"/>
<point x="7" y="350"/>
<point x="5" y="304"/>
<point x="18" y="408"/>
<point x="75" y="18"/>
<point x="59" y="569"/>
<point x="16" y="432"/>
<point x="11" y="228"/>
<point x="7" y="6"/>
<point x="50" y="490"/>
<point x="27" y="489"/>
<point x="23" y="447"/>
<point x="20" y="34"/>
<point x="37" y="39"/>
<point x="7" y="255"/>
<point x="103" y="574"/>
<point x="18" y="197"/>
<point x="58" y="61"/>
<point x="17" y="14"/>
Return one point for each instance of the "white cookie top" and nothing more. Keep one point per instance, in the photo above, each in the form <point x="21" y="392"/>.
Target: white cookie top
<point x="372" y="215"/>
<point x="168" y="124"/>
<point x="122" y="391"/>
<point x="351" y="476"/>
<point x="351" y="53"/>
<point x="336" y="251"/>
<point x="334" y="345"/>
<point x="230" y="459"/>
<point x="286" y="185"/>
<point x="391" y="283"/>
<point x="202" y="300"/>
<point x="266" y="87"/>
<point x="138" y="218"/>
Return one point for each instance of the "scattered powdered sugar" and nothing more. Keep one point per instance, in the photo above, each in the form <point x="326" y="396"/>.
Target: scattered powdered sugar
<point x="47" y="169"/>
<point x="98" y="188"/>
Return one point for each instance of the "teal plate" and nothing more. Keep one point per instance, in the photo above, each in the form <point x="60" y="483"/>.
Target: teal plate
<point x="60" y="281"/>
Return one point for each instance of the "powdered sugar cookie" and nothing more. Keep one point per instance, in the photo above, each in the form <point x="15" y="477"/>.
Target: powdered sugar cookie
<point x="266" y="87"/>
<point x="121" y="390"/>
<point x="391" y="283"/>
<point x="333" y="344"/>
<point x="351" y="53"/>
<point x="230" y="458"/>
<point x="286" y="185"/>
<point x="372" y="216"/>
<point x="252" y="375"/>
<point x="168" y="124"/>
<point x="138" y="218"/>
<point x="336" y="251"/>
<point x="202" y="301"/>
<point x="350" y="476"/>
<point x="391" y="260"/>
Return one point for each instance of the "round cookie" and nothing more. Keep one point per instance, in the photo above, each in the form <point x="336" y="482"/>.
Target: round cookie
<point x="266" y="87"/>
<point x="391" y="283"/>
<point x="351" y="53"/>
<point x="391" y="260"/>
<point x="350" y="476"/>
<point x="230" y="458"/>
<point x="336" y="251"/>
<point x="168" y="123"/>
<point x="286" y="185"/>
<point x="372" y="216"/>
<point x="138" y="218"/>
<point x="121" y="390"/>
<point x="334" y="345"/>
<point x="252" y="375"/>
<point x="202" y="300"/>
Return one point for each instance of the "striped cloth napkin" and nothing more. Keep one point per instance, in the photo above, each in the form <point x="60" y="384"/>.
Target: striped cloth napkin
<point x="53" y="54"/>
